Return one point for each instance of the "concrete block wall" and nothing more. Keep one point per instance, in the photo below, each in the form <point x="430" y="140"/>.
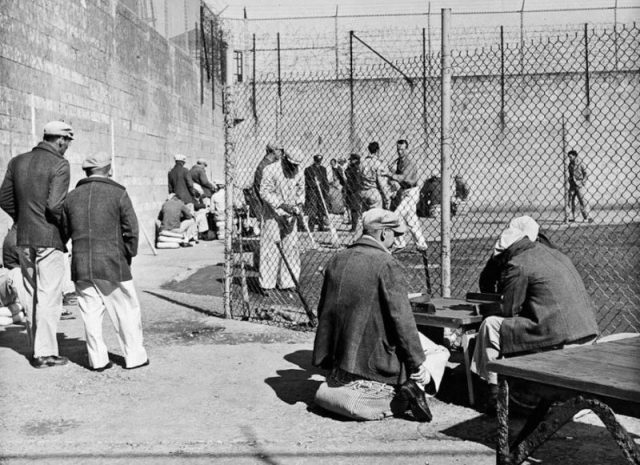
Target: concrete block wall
<point x="518" y="166"/>
<point x="122" y="86"/>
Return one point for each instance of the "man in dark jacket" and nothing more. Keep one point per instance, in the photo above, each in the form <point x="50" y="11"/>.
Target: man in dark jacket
<point x="180" y="182"/>
<point x="316" y="185"/>
<point x="352" y="188"/>
<point x="199" y="176"/>
<point x="367" y="337"/>
<point x="32" y="193"/>
<point x="545" y="304"/>
<point x="100" y="220"/>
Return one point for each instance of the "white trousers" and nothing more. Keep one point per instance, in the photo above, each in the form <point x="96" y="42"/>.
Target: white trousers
<point x="201" y="220"/>
<point x="49" y="275"/>
<point x="272" y="268"/>
<point x="406" y="210"/>
<point x="487" y="348"/>
<point x="121" y="302"/>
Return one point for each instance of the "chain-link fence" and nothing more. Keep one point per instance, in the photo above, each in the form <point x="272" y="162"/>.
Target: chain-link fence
<point x="515" y="116"/>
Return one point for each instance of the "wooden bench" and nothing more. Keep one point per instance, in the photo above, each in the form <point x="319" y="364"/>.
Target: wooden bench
<point x="603" y="377"/>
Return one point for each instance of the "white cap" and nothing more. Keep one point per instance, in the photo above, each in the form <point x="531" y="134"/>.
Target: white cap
<point x="179" y="157"/>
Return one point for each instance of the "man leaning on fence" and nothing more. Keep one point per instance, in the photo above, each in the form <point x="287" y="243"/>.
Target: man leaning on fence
<point x="282" y="194"/>
<point x="545" y="303"/>
<point x="379" y="364"/>
<point x="577" y="186"/>
<point x="33" y="193"/>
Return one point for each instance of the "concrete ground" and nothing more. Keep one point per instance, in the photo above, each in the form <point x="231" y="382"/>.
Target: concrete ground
<point x="224" y="391"/>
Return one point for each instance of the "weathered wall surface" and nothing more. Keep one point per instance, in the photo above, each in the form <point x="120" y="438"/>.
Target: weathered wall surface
<point x="518" y="166"/>
<point x="121" y="85"/>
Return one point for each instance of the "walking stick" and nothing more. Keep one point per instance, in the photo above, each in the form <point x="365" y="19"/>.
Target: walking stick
<point x="334" y="234"/>
<point x="425" y="263"/>
<point x="312" y="318"/>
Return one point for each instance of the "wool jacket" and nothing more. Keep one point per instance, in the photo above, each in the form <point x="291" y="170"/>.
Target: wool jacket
<point x="33" y="192"/>
<point x="100" y="220"/>
<point x="545" y="302"/>
<point x="199" y="176"/>
<point x="365" y="323"/>
<point x="181" y="184"/>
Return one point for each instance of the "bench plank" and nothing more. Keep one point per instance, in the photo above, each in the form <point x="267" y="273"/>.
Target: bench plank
<point x="610" y="369"/>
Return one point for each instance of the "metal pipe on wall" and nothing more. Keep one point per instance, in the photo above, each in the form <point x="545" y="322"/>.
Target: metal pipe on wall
<point x="351" y="97"/>
<point x="445" y="144"/>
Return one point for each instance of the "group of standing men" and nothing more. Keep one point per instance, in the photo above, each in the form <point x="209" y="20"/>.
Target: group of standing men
<point x="98" y="217"/>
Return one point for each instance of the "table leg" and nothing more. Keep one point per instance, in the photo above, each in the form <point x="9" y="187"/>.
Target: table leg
<point x="467" y="365"/>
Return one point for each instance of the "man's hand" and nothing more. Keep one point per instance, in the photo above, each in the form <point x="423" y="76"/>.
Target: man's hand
<point x="421" y="376"/>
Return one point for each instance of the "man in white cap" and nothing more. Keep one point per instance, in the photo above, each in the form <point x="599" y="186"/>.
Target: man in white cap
<point x="545" y="304"/>
<point x="282" y="194"/>
<point x="100" y="220"/>
<point x="33" y="193"/>
<point x="379" y="364"/>
<point x="180" y="182"/>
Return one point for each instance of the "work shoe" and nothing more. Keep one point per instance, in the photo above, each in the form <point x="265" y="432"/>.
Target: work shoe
<point x="49" y="361"/>
<point x="138" y="366"/>
<point x="103" y="368"/>
<point x="411" y="392"/>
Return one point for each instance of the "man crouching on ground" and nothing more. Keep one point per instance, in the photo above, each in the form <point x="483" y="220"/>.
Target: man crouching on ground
<point x="100" y="220"/>
<point x="380" y="365"/>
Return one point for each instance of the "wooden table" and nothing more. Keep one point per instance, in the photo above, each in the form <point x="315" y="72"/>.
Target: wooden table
<point x="454" y="314"/>
<point x="599" y="377"/>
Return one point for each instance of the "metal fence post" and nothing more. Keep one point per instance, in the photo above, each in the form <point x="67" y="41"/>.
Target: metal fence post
<point x="565" y="194"/>
<point x="213" y="73"/>
<point x="279" y="101"/>
<point x="587" y="111"/>
<point x="502" y="118"/>
<point x="335" y="26"/>
<point x="229" y="170"/>
<point x="254" y="104"/>
<point x="522" y="38"/>
<point x="424" y="88"/>
<point x="351" y="97"/>
<point x="445" y="142"/>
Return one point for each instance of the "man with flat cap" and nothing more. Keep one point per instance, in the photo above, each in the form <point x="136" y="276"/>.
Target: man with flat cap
<point x="282" y="194"/>
<point x="32" y="193"/>
<point x="378" y="363"/>
<point x="103" y="227"/>
<point x="199" y="177"/>
<point x="180" y="182"/>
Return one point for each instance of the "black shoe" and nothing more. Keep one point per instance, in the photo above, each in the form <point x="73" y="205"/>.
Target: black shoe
<point x="411" y="392"/>
<point x="49" y="361"/>
<point x="103" y="368"/>
<point x="138" y="366"/>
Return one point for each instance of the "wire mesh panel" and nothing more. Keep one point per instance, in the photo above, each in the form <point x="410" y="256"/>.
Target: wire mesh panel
<point x="515" y="117"/>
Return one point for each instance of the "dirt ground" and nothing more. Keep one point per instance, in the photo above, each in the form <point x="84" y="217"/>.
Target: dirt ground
<point x="223" y="391"/>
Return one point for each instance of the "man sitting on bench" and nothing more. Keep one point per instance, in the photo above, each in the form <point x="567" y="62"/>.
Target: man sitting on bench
<point x="545" y="304"/>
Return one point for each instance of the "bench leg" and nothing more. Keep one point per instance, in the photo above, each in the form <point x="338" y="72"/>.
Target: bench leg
<point x="467" y="365"/>
<point x="536" y="432"/>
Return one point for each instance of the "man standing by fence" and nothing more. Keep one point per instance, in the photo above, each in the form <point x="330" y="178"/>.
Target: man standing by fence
<point x="406" y="175"/>
<point x="371" y="171"/>
<point x="282" y="194"/>
<point x="577" y="187"/>
<point x="33" y="193"/>
<point x="316" y="190"/>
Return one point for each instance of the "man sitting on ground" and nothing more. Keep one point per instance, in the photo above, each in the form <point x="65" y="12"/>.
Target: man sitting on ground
<point x="379" y="364"/>
<point x="178" y="225"/>
<point x="545" y="304"/>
